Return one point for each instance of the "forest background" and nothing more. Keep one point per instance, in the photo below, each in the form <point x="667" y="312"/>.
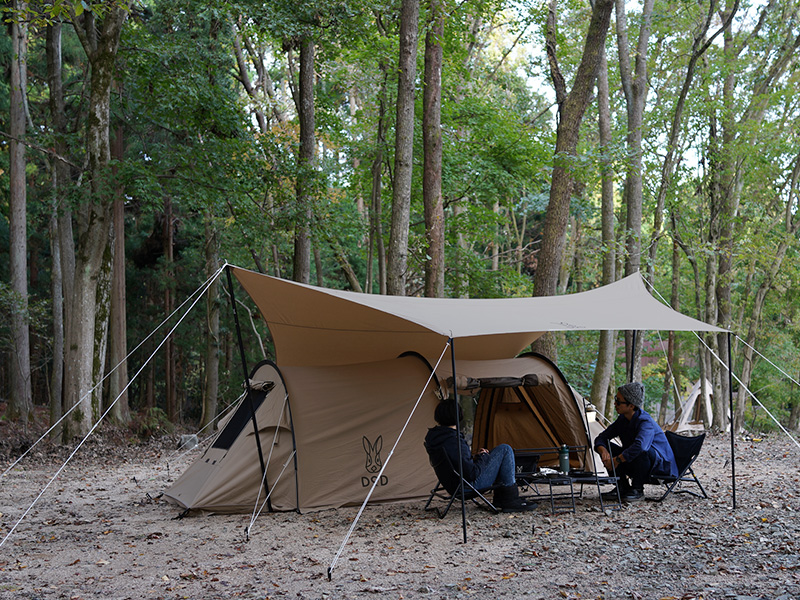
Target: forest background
<point x="479" y="148"/>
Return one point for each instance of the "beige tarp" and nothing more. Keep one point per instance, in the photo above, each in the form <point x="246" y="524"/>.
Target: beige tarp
<point x="319" y="326"/>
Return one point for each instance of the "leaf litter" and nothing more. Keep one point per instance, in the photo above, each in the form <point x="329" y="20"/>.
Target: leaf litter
<point x="105" y="532"/>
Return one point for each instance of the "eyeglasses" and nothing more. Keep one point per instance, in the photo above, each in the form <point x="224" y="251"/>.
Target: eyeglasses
<point x="617" y="402"/>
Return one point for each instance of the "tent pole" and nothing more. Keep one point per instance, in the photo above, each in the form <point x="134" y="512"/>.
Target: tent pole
<point x="633" y="355"/>
<point x="458" y="432"/>
<point x="730" y="408"/>
<point x="247" y="387"/>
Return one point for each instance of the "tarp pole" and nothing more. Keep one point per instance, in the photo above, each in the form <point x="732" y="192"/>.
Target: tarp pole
<point x="633" y="355"/>
<point x="249" y="391"/>
<point x="730" y="408"/>
<point x="458" y="433"/>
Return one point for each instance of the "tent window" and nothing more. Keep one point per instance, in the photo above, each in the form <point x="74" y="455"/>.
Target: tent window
<point x="239" y="421"/>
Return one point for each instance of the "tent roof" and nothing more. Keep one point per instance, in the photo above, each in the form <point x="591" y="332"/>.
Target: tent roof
<point x="319" y="326"/>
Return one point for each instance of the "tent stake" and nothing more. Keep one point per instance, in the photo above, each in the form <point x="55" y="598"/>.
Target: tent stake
<point x="730" y="409"/>
<point x="247" y="387"/>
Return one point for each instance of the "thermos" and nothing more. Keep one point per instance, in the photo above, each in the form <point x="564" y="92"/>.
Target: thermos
<point x="563" y="458"/>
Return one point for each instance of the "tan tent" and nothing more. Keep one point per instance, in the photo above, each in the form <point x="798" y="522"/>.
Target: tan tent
<point x="325" y="446"/>
<point x="527" y="403"/>
<point x="332" y="436"/>
<point x="330" y="416"/>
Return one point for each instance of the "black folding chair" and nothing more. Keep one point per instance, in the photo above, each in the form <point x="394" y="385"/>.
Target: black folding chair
<point x="448" y="486"/>
<point x="686" y="449"/>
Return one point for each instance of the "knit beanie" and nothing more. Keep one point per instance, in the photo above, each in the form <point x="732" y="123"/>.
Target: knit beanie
<point x="633" y="392"/>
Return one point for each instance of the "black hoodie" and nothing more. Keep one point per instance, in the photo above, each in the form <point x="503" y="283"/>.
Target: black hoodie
<point x="448" y="439"/>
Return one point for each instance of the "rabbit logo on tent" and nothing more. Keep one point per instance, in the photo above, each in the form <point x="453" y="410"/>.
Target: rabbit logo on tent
<point x="373" y="463"/>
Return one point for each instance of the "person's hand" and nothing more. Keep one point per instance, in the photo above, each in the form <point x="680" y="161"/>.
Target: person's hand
<point x="483" y="451"/>
<point x="605" y="457"/>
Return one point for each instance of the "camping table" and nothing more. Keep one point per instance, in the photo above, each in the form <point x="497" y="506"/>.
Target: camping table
<point x="588" y="478"/>
<point x="561" y="501"/>
<point x="558" y="489"/>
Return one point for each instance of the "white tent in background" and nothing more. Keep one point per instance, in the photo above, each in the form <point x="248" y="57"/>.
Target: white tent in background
<point x="694" y="407"/>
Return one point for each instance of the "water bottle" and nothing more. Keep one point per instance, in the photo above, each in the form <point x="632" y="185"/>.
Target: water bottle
<point x="563" y="458"/>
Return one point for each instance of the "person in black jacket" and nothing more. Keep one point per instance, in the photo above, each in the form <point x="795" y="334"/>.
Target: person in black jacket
<point x="482" y="470"/>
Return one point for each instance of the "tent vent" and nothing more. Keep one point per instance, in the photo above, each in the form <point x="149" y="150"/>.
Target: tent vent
<point x="239" y="421"/>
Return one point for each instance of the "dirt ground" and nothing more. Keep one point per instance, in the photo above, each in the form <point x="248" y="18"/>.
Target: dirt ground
<point x="101" y="531"/>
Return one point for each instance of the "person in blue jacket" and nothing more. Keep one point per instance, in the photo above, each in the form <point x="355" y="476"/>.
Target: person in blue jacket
<point x="486" y="468"/>
<point x="645" y="451"/>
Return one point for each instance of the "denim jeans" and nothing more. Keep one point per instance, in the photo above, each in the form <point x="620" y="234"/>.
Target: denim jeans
<point x="638" y="469"/>
<point x="497" y="468"/>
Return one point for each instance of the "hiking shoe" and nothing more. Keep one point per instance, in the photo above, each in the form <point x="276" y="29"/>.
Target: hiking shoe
<point x="612" y="494"/>
<point x="633" y="496"/>
<point x="520" y="506"/>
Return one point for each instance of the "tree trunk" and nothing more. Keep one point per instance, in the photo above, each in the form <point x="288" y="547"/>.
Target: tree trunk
<point x="671" y="372"/>
<point x="376" y="205"/>
<point x="118" y="351"/>
<point x="61" y="244"/>
<point x="571" y="108"/>
<point x="397" y="259"/>
<point x="305" y="163"/>
<point x="432" y="147"/>
<point x="634" y="86"/>
<point x="733" y="152"/>
<point x="604" y="369"/>
<point x="728" y="205"/>
<point x="794" y="413"/>
<point x="21" y="401"/>
<point x="211" y="381"/>
<point x="100" y="41"/>
<point x="170" y="384"/>
<point x="262" y="92"/>
<point x="461" y="274"/>
<point x="791" y="230"/>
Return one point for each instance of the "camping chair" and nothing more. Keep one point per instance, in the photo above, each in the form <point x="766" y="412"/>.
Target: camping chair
<point x="686" y="450"/>
<point x="448" y="484"/>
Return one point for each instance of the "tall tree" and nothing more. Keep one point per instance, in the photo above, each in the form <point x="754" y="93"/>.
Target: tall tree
<point x="732" y="132"/>
<point x="305" y="161"/>
<point x="602" y="379"/>
<point x="61" y="242"/>
<point x="432" y="147"/>
<point x="118" y="324"/>
<point x="21" y="401"/>
<point x="376" y="172"/>
<point x="397" y="257"/>
<point x="634" y="85"/>
<point x="571" y="108"/>
<point x="211" y="371"/>
<point x="85" y="340"/>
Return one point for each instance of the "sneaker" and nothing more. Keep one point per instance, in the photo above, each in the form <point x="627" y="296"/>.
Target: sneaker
<point x="633" y="495"/>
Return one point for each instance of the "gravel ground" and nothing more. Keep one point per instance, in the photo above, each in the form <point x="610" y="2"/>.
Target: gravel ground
<point x="102" y="531"/>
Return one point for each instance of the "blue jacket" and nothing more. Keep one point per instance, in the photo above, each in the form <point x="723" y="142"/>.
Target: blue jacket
<point x="638" y="435"/>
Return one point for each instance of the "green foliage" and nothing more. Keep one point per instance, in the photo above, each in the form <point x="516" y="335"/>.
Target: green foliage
<point x="194" y="150"/>
<point x="151" y="422"/>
